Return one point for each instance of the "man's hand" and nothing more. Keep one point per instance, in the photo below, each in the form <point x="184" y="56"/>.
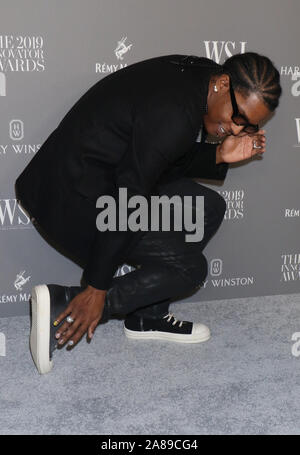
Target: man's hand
<point x="86" y="309"/>
<point x="240" y="147"/>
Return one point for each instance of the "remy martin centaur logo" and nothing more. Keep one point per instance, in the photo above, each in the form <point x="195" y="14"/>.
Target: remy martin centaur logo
<point x="165" y="213"/>
<point x="120" y="50"/>
<point x="21" y="280"/>
<point x="22" y="285"/>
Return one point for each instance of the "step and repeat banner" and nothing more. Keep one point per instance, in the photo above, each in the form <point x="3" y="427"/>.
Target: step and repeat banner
<point x="51" y="52"/>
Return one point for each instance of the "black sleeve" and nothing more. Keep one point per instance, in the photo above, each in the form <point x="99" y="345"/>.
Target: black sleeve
<point x="161" y="134"/>
<point x="202" y="163"/>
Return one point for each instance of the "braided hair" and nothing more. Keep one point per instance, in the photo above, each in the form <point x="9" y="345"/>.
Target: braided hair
<point x="251" y="72"/>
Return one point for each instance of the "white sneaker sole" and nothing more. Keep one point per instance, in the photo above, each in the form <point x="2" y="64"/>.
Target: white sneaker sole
<point x="177" y="337"/>
<point x="40" y="329"/>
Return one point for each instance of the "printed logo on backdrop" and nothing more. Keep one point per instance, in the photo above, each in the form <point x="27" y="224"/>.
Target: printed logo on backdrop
<point x="216" y="266"/>
<point x="2" y="84"/>
<point x="120" y="50"/>
<point x="297" y="132"/>
<point x="13" y="216"/>
<point x="20" y="54"/>
<point x="292" y="72"/>
<point x="218" y="280"/>
<point x="16" y="130"/>
<point x="16" y="134"/>
<point x="219" y="51"/>
<point x="21" y="284"/>
<point x="235" y="203"/>
<point x="291" y="213"/>
<point x="296" y="346"/>
<point x="290" y="267"/>
<point x="21" y="280"/>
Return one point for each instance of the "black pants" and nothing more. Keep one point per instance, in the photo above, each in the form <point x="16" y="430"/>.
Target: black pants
<point x="166" y="266"/>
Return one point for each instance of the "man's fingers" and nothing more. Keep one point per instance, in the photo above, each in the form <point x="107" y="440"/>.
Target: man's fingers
<point x="259" y="140"/>
<point x="78" y="335"/>
<point x="69" y="332"/>
<point x="65" y="326"/>
<point x="92" y="327"/>
<point x="259" y="151"/>
<point x="262" y="139"/>
<point x="62" y="315"/>
<point x="258" y="134"/>
<point x="249" y="150"/>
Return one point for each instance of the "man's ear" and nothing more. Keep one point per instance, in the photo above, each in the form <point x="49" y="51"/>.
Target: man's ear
<point x="223" y="82"/>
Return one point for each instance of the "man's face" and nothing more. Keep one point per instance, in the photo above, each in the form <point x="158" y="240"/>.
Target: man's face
<point x="218" y="120"/>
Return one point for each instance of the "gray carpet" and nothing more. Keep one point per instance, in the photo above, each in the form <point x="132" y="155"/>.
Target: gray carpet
<point x="244" y="380"/>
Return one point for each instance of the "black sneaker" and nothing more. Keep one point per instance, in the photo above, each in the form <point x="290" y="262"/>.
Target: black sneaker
<point x="167" y="327"/>
<point x="47" y="302"/>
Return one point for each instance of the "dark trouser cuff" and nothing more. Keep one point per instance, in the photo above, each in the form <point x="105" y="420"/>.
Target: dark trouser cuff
<point x="106" y="315"/>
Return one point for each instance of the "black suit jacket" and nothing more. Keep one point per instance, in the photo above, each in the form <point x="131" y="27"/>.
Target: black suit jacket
<point x="134" y="128"/>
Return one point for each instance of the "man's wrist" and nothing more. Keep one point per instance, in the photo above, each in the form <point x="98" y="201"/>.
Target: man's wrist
<point x="218" y="155"/>
<point x="95" y="290"/>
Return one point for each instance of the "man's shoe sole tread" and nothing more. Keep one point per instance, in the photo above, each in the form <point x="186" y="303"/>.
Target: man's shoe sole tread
<point x="196" y="337"/>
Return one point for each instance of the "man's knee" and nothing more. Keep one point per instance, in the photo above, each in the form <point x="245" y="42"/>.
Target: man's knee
<point x="214" y="207"/>
<point x="221" y="205"/>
